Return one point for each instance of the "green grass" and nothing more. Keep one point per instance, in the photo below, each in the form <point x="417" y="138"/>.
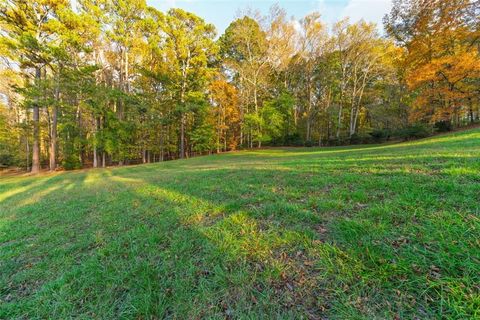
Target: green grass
<point x="340" y="233"/>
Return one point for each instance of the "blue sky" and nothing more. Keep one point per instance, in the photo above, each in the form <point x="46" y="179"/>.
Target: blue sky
<point x="222" y="12"/>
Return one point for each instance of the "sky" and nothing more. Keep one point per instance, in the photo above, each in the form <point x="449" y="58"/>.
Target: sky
<point x="222" y="12"/>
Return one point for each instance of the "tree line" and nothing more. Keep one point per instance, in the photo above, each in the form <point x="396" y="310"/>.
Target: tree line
<point x="110" y="82"/>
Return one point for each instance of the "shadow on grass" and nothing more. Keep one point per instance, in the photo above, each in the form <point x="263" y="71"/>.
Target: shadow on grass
<point x="264" y="239"/>
<point x="368" y="236"/>
<point x="116" y="253"/>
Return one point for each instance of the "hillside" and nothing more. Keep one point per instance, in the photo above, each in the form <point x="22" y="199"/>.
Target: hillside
<point x="348" y="232"/>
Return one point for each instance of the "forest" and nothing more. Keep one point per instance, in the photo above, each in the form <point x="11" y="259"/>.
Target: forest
<point x="94" y="83"/>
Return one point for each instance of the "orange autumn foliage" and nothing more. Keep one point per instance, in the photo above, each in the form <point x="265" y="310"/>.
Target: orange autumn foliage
<point x="226" y="113"/>
<point x="443" y="61"/>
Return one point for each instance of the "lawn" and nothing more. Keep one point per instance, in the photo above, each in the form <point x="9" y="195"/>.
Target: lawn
<point x="362" y="232"/>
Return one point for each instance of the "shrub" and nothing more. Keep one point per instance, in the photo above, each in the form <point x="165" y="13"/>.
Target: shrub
<point x="416" y="131"/>
<point x="309" y="143"/>
<point x="71" y="162"/>
<point x="359" y="139"/>
<point x="338" y="141"/>
<point x="380" y="135"/>
<point x="332" y="142"/>
<point x="6" y="159"/>
<point x="443" y="126"/>
<point x="293" y="140"/>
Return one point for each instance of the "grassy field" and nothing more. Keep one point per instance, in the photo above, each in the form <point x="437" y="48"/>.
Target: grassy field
<point x="386" y="231"/>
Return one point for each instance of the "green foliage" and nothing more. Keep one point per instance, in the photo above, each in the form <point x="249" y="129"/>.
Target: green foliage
<point x="272" y="121"/>
<point x="443" y="126"/>
<point x="294" y="140"/>
<point x="203" y="139"/>
<point x="10" y="155"/>
<point x="381" y="135"/>
<point x="309" y="143"/>
<point x="71" y="144"/>
<point x="71" y="160"/>
<point x="233" y="45"/>
<point x="252" y="124"/>
<point x="416" y="131"/>
<point x="355" y="139"/>
<point x="6" y="155"/>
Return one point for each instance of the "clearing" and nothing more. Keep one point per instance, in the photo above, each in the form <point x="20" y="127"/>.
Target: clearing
<point x="349" y="232"/>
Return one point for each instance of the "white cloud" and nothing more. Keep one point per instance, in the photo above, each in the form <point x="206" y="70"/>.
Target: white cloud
<point x="369" y="10"/>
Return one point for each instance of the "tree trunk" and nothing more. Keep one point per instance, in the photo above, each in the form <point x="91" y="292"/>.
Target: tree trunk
<point x="185" y="67"/>
<point x="219" y="130"/>
<point x="352" y="115"/>
<point x="27" y="147"/>
<point x="472" y="118"/>
<point x="53" y="139"/>
<point x="161" y="144"/>
<point x="95" y="157"/>
<point x="95" y="152"/>
<point x="53" y="130"/>
<point x="309" y="110"/>
<point x="339" y="126"/>
<point x="182" y="136"/>
<point x="308" y="128"/>
<point x="328" y="130"/>
<point x="36" y="129"/>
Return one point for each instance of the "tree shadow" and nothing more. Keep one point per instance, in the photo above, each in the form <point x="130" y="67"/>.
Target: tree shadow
<point x="220" y="237"/>
<point x="116" y="252"/>
<point x="372" y="249"/>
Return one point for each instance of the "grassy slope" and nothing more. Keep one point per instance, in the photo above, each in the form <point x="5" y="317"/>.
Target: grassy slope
<point x="363" y="232"/>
